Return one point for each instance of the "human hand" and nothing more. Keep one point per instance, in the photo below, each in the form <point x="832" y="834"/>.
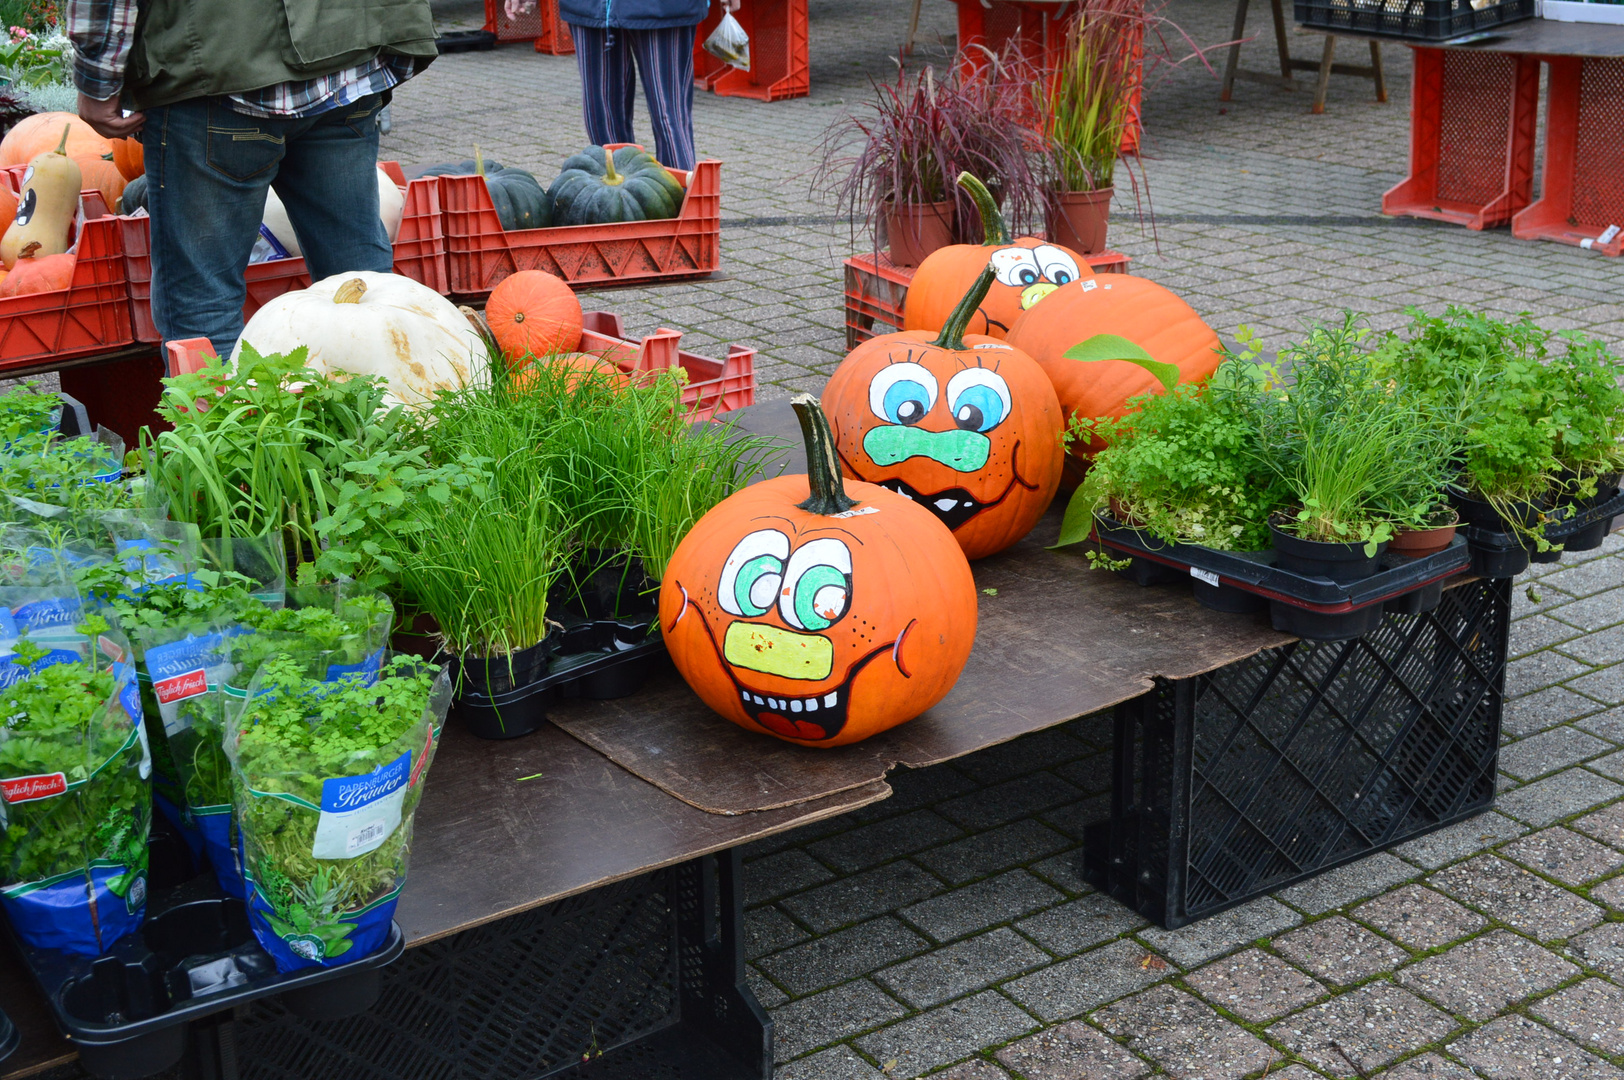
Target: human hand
<point x="107" y="118"/>
<point x="732" y="6"/>
<point x="516" y="8"/>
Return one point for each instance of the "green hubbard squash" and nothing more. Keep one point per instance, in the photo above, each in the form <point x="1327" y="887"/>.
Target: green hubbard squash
<point x="519" y="199"/>
<point x="599" y="187"/>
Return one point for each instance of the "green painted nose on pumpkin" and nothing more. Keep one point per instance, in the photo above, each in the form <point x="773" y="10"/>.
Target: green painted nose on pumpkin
<point x="960" y="450"/>
<point x="776" y="651"/>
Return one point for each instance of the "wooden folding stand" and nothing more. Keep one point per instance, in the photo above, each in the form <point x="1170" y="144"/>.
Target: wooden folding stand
<point x="1326" y="67"/>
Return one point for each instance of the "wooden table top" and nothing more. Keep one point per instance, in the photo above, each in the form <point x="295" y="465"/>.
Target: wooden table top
<point x="1545" y="37"/>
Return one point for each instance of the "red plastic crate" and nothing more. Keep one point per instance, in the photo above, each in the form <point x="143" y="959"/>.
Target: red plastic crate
<point x="1582" y="198"/>
<point x="526" y="27"/>
<point x="713" y="385"/>
<point x="877" y="290"/>
<point x="419" y="255"/>
<point x="555" y="38"/>
<point x="780" y="64"/>
<point x="1472" y="117"/>
<point x="92" y="315"/>
<point x="479" y="254"/>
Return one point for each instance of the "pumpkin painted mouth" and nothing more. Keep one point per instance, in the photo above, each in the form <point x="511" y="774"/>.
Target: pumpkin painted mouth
<point x="955" y="507"/>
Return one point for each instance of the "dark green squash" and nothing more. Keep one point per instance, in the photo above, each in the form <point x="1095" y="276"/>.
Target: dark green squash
<point x="517" y="195"/>
<point x="597" y="188"/>
<point x="134" y="197"/>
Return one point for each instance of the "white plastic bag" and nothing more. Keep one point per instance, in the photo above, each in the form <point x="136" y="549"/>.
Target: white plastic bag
<point x="729" y="43"/>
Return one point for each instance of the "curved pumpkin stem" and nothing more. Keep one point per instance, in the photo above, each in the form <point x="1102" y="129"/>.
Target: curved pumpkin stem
<point x="822" y="466"/>
<point x="952" y="335"/>
<point x="994" y="232"/>
<point x="609" y="174"/>
<point x="62" y="147"/>
<point x="479" y="161"/>
<point x="350" y="292"/>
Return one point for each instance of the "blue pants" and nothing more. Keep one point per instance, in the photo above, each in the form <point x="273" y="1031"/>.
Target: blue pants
<point x="665" y="59"/>
<point x="208" y="169"/>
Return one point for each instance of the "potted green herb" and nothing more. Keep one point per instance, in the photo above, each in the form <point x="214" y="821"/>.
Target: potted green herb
<point x="328" y="775"/>
<point x="1087" y="104"/>
<point x="73" y="792"/>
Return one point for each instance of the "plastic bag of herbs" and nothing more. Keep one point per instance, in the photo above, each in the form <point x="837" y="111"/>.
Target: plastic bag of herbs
<point x="28" y="419"/>
<point x="67" y="484"/>
<point x="75" y="802"/>
<point x="327" y="776"/>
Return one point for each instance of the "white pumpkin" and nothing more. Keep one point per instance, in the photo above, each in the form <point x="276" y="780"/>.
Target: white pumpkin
<point x="374" y="324"/>
<point x="391" y="207"/>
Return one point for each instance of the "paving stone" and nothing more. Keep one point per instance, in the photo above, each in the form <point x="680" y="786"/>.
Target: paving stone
<point x="1547" y="801"/>
<point x="1424" y="1067"/>
<point x="980" y="905"/>
<point x="1009" y="801"/>
<point x="1588" y="578"/>
<point x="1611" y="765"/>
<point x="1091" y="773"/>
<point x="1564" y="855"/>
<point x="1072" y="987"/>
<point x="1602" y="949"/>
<point x="1538" y="632"/>
<point x="1592" y="613"/>
<point x="972" y="964"/>
<point x="1064" y="871"/>
<point x="1610" y="893"/>
<point x="844" y="954"/>
<point x="912" y="789"/>
<point x="1222" y="933"/>
<point x="1372" y="1026"/>
<point x="1460" y="840"/>
<point x="946" y="1034"/>
<point x="974" y="1069"/>
<point x="1254" y="986"/>
<point x="1301" y="1072"/>
<point x="996" y="849"/>
<point x="1073" y="927"/>
<point x="777" y="875"/>
<point x="1609" y="725"/>
<point x="1517" y="898"/>
<point x="1340" y="951"/>
<point x="861" y="896"/>
<point x="1071" y="1052"/>
<point x="1539" y="670"/>
<point x="835" y="1063"/>
<point x="1548" y="751"/>
<point x="1601" y="647"/>
<point x="768" y="995"/>
<point x="1419" y="918"/>
<point x="1547" y="708"/>
<point x="1184" y="1036"/>
<point x="1606" y="825"/>
<point x="882" y="841"/>
<point x="1515" y="1047"/>
<point x="766" y="930"/>
<point x="1345" y="884"/>
<point x="1027" y="754"/>
<point x="1480" y="977"/>
<point x="829" y="1017"/>
<point x="1591" y="1012"/>
<point x="1606" y="685"/>
<point x="1074" y="818"/>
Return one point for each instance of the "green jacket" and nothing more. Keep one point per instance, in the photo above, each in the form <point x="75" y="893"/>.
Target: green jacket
<point x="200" y="48"/>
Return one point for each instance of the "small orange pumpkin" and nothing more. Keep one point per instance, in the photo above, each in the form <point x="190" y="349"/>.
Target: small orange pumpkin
<point x="533" y="313"/>
<point x="818" y="610"/>
<point x="1025" y="271"/>
<point x="964" y="424"/>
<point x="1127" y="335"/>
<point x="8" y="208"/>
<point x="42" y="132"/>
<point x="100" y="173"/>
<point x="31" y="275"/>
<point x="129" y="157"/>
<point x="582" y="366"/>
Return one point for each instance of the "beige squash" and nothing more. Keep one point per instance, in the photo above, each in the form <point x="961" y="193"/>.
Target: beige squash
<point x="374" y="324"/>
<point x="46" y="204"/>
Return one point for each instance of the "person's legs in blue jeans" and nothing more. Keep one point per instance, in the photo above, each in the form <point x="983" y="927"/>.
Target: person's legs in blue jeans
<point x="665" y="63"/>
<point x="608" y="83"/>
<point x="328" y="183"/>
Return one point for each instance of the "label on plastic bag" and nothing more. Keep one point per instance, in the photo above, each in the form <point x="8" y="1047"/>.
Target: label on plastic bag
<point x="367" y="670"/>
<point x="12" y="672"/>
<point x="358" y="813"/>
<point x="181" y="670"/>
<point x="21" y="789"/>
<point x="55" y="613"/>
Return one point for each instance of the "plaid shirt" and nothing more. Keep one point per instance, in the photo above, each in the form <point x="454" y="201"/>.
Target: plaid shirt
<point x="102" y="32"/>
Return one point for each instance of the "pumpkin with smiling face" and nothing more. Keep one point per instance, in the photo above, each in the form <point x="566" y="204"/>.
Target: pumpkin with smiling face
<point x="966" y="425"/>
<point x="817" y="610"/>
<point x="1025" y="270"/>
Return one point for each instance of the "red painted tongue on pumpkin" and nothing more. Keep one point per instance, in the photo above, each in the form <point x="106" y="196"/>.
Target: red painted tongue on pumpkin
<point x="793" y="729"/>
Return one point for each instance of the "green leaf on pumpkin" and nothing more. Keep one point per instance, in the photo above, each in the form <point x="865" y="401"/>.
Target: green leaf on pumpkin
<point x="1078" y="524"/>
<point x="1111" y="347"/>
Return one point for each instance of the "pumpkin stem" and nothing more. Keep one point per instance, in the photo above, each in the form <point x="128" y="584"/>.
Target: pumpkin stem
<point x="994" y="233"/>
<point x="28" y="250"/>
<point x="350" y="292"/>
<point x="952" y="335"/>
<point x="479" y="161"/>
<point x="822" y="466"/>
<point x="62" y="147"/>
<point x="609" y="174"/>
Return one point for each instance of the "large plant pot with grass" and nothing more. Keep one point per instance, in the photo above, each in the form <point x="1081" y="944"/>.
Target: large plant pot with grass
<point x="1079" y="219"/>
<point x="917" y="229"/>
<point x="1340" y="561"/>
<point x="502" y="697"/>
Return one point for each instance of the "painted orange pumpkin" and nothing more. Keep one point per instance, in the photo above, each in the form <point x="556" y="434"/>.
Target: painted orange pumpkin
<point x="818" y="610"/>
<point x="1025" y="271"/>
<point x="533" y="313"/>
<point x="1126" y="336"/>
<point x="965" y="425"/>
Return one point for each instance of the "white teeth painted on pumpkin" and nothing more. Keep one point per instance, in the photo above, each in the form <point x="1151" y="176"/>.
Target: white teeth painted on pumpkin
<point x="745" y="694"/>
<point x="832" y="699"/>
<point x="757" y="699"/>
<point x="944" y="505"/>
<point x="811" y="704"/>
<point x="795" y="705"/>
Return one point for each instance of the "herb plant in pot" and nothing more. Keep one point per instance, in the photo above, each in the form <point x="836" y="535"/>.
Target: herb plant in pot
<point x="1588" y="412"/>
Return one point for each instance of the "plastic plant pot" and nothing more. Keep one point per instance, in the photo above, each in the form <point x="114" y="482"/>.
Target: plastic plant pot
<point x="503" y="697"/>
<point x="1475" y="511"/>
<point x="1415" y="543"/>
<point x="9" y="1037"/>
<point x="1318" y="558"/>
<point x="1419" y="602"/>
<point x="1322" y="626"/>
<point x="155" y="1052"/>
<point x="1590" y="537"/>
<point x="1144" y="572"/>
<point x="1227" y="598"/>
<point x="336" y="999"/>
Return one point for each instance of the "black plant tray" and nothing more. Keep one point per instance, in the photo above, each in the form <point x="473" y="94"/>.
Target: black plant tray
<point x="591" y="658"/>
<point x="128" y="1012"/>
<point x="1254" y="571"/>
<point x="1501" y="553"/>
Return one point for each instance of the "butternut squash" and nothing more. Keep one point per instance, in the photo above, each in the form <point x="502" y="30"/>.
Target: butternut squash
<point x="45" y="205"/>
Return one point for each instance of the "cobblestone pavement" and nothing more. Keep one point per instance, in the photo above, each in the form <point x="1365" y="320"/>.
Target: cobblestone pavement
<point x="947" y="931"/>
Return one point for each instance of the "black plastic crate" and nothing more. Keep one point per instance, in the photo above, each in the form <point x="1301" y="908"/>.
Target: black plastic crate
<point x="1410" y="20"/>
<point x="1271" y="770"/>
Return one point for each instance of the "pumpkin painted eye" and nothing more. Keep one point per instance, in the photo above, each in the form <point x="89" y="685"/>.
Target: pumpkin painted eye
<point x="817" y="585"/>
<point x="979" y="398"/>
<point x="902" y="393"/>
<point x="751" y="576"/>
<point x="1016" y="266"/>
<point x="1057" y="266"/>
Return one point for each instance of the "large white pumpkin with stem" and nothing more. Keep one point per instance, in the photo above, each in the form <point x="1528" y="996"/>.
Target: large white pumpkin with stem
<point x="374" y="324"/>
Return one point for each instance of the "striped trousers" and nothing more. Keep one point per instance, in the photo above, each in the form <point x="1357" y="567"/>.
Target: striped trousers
<point x="665" y="60"/>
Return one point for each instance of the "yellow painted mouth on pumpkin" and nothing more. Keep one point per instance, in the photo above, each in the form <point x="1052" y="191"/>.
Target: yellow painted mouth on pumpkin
<point x="775" y="651"/>
<point x="1033" y="293"/>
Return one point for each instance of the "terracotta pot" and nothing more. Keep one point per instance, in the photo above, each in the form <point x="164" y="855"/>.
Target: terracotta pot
<point x="1414" y="543"/>
<point x="917" y="229"/>
<point x="1078" y="219"/>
